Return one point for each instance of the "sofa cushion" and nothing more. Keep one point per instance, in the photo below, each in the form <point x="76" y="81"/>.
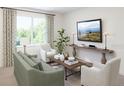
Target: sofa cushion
<point x="29" y="61"/>
<point x="46" y="47"/>
<point x="38" y="62"/>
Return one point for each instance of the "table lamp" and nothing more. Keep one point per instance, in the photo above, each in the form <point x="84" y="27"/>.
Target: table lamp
<point x="106" y="34"/>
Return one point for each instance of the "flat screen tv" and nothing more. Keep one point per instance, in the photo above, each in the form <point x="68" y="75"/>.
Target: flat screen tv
<point x="90" y="30"/>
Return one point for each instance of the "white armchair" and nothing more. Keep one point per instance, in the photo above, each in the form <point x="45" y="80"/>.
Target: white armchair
<point x="46" y="52"/>
<point x="101" y="74"/>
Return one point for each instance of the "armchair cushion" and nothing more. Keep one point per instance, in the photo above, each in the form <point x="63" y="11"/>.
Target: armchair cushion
<point x="46" y="47"/>
<point x="98" y="65"/>
<point x="46" y="52"/>
<point x="52" y="52"/>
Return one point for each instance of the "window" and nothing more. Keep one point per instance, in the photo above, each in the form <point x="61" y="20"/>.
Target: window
<point x="31" y="30"/>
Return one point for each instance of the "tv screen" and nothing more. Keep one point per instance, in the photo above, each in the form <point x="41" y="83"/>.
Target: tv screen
<point x="89" y="30"/>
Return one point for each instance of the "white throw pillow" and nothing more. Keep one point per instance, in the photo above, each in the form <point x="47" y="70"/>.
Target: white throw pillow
<point x="46" y="47"/>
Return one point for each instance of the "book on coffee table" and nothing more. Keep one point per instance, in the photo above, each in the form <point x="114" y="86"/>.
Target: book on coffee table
<point x="70" y="62"/>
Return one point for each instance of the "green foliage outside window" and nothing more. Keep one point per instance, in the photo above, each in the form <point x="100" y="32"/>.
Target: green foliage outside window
<point x="35" y="35"/>
<point x="38" y="33"/>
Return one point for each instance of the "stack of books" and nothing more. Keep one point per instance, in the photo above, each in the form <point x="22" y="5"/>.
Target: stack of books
<point x="70" y="62"/>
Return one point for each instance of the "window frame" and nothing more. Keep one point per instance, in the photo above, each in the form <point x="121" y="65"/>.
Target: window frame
<point x="33" y="16"/>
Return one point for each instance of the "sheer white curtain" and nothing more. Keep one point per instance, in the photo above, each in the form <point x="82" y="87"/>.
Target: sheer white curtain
<point x="50" y="29"/>
<point x="9" y="29"/>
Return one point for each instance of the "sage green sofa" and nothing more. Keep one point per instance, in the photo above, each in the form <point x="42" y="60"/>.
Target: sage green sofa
<point x="28" y="72"/>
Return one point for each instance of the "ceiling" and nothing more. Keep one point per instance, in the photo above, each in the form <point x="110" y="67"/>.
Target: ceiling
<point x="57" y="9"/>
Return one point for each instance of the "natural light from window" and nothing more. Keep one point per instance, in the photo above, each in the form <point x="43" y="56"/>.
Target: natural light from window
<point x="31" y="30"/>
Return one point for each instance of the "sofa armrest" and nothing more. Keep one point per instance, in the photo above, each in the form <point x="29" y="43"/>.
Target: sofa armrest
<point x="90" y="71"/>
<point x="46" y="78"/>
<point x="53" y="51"/>
<point x="99" y="65"/>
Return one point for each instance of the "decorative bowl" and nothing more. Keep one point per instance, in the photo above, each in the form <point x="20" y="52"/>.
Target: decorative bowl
<point x="71" y="58"/>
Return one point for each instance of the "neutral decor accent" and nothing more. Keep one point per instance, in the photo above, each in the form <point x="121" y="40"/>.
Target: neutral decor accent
<point x="101" y="74"/>
<point x="74" y="49"/>
<point x="9" y="29"/>
<point x="46" y="52"/>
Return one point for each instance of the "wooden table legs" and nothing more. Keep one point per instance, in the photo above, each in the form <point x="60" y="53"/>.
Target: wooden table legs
<point x="67" y="75"/>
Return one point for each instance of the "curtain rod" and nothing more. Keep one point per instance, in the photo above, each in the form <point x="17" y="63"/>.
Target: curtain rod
<point x="27" y="11"/>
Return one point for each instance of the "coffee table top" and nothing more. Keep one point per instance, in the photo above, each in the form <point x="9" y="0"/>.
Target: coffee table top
<point x="80" y="62"/>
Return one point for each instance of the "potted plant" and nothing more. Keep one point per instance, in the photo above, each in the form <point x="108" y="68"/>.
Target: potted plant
<point x="61" y="42"/>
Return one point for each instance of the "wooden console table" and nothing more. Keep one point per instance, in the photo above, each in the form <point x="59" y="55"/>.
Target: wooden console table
<point x="103" y="51"/>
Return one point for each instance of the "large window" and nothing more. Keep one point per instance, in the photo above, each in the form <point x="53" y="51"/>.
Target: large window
<point x="31" y="30"/>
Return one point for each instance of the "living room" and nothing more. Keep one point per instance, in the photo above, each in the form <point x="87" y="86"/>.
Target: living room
<point x="67" y="18"/>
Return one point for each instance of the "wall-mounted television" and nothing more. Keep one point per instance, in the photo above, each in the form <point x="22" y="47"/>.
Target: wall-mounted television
<point x="90" y="30"/>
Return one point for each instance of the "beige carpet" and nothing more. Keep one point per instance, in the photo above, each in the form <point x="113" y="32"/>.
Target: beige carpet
<point x="7" y="78"/>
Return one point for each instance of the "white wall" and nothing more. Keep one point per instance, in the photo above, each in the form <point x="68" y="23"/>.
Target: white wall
<point x="1" y="38"/>
<point x="112" y="21"/>
<point x="58" y="23"/>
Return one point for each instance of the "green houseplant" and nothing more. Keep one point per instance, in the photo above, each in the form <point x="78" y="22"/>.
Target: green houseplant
<point x="62" y="41"/>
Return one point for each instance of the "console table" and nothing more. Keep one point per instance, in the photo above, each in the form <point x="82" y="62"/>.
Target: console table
<point x="103" y="51"/>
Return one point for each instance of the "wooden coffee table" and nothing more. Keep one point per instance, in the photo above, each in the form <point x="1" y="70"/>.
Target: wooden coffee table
<point x="72" y="67"/>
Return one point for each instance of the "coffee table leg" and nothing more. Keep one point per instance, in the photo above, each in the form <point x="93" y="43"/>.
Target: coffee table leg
<point x="65" y="74"/>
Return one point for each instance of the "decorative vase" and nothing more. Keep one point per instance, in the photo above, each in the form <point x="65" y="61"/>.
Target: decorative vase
<point x="103" y="60"/>
<point x="66" y="55"/>
<point x="61" y="57"/>
<point x="74" y="52"/>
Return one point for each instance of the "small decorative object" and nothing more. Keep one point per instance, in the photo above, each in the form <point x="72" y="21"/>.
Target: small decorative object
<point x="74" y="52"/>
<point x="71" y="59"/>
<point x="103" y="60"/>
<point x="62" y="41"/>
<point x="57" y="56"/>
<point x="61" y="57"/>
<point x="66" y="56"/>
<point x="70" y="62"/>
